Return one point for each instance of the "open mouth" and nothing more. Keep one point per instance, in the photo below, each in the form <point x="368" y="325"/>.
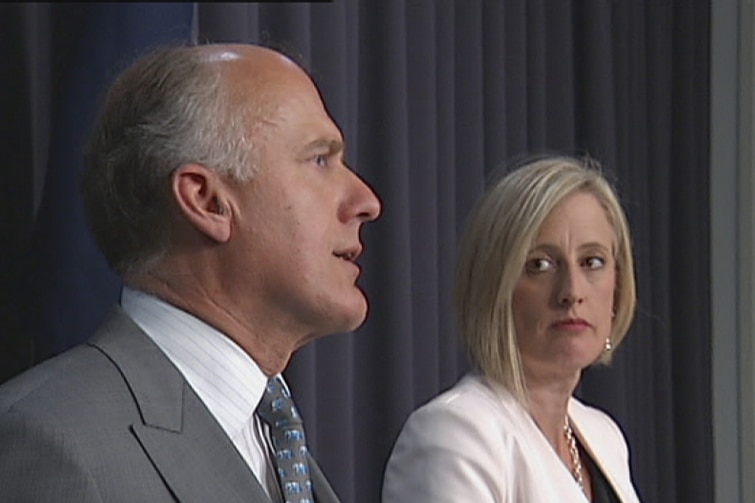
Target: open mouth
<point x="348" y="255"/>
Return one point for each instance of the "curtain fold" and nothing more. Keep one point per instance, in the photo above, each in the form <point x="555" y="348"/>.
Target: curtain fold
<point x="432" y="96"/>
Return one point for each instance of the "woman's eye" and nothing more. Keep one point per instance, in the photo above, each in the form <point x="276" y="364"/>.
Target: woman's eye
<point x="538" y="265"/>
<point x="594" y="262"/>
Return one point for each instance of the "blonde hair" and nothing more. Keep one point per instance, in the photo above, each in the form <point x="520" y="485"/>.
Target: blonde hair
<point x="499" y="233"/>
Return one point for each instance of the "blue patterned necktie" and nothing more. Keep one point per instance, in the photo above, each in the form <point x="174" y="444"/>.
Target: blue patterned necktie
<point x="278" y="411"/>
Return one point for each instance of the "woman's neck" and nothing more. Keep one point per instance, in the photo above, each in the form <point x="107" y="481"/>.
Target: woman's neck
<point x="549" y="406"/>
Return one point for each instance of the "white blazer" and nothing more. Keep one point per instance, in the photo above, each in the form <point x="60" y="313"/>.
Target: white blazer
<point x="474" y="444"/>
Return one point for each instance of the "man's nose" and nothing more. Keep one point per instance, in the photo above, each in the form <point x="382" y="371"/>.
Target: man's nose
<point x="362" y="202"/>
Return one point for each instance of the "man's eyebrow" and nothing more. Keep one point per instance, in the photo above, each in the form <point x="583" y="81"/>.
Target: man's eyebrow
<point x="332" y="146"/>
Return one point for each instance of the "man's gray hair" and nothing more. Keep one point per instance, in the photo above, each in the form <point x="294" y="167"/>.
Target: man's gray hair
<point x="170" y="108"/>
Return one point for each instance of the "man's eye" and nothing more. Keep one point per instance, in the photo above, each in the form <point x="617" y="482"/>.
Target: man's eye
<point x="321" y="160"/>
<point x="538" y="265"/>
<point x="595" y="263"/>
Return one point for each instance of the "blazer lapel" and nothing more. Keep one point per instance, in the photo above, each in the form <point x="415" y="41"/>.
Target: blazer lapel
<point x="600" y="463"/>
<point x="605" y="459"/>
<point x="179" y="435"/>
<point x="542" y="460"/>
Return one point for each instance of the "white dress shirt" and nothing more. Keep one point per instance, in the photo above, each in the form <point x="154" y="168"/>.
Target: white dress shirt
<point x="224" y="377"/>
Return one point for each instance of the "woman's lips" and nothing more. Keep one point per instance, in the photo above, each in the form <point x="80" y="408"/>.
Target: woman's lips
<point x="571" y="324"/>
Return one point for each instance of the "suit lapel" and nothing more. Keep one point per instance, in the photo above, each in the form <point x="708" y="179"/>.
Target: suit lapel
<point x="184" y="442"/>
<point x="198" y="462"/>
<point x="321" y="488"/>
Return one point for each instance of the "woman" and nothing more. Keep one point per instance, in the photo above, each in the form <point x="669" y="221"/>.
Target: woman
<point x="544" y="288"/>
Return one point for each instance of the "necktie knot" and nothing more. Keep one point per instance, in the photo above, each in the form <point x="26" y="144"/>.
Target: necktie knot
<point x="278" y="411"/>
<point x="277" y="408"/>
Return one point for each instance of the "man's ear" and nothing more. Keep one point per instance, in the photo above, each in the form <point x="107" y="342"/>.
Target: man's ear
<point x="201" y="197"/>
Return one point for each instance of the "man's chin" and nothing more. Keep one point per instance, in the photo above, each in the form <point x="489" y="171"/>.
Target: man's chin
<point x="354" y="317"/>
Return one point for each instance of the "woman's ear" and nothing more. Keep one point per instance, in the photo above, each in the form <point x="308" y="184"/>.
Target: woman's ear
<point x="201" y="197"/>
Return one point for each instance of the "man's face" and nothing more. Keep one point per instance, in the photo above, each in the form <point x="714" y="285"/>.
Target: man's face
<point x="299" y="218"/>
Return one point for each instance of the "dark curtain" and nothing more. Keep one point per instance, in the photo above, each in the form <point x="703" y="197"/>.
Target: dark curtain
<point x="432" y="95"/>
<point x="59" y="59"/>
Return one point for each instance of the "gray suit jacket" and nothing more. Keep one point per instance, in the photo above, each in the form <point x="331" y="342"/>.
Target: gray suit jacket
<point x="114" y="421"/>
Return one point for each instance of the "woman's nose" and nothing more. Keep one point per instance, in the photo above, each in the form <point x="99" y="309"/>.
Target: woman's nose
<point x="570" y="289"/>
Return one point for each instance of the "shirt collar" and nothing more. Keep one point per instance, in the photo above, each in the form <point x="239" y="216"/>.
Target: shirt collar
<point x="226" y="379"/>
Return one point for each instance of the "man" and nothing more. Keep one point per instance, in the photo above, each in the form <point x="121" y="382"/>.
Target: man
<point x="216" y="187"/>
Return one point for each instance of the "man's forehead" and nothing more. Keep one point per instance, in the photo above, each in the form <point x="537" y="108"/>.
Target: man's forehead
<point x="222" y="55"/>
<point x="262" y="58"/>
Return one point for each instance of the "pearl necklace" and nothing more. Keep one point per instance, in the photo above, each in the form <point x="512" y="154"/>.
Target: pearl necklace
<point x="571" y="442"/>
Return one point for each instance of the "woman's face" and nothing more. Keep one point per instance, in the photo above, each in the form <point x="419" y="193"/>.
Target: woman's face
<point x="563" y="301"/>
